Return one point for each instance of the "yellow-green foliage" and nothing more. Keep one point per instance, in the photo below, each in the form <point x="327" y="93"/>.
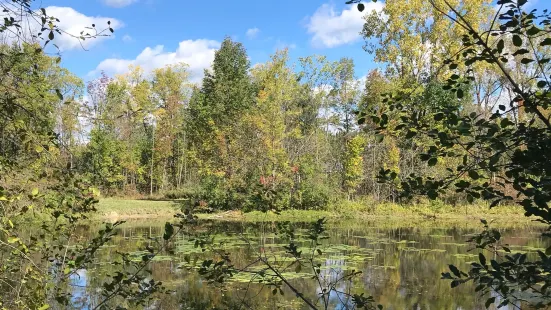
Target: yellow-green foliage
<point x="353" y="163"/>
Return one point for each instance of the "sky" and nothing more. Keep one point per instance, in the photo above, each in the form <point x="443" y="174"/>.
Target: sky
<point x="154" y="33"/>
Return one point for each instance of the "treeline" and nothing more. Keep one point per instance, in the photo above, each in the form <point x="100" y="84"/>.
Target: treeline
<point x="276" y="135"/>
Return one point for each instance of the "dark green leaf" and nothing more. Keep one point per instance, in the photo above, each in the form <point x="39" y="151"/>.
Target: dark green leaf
<point x="517" y="41"/>
<point x="500" y="45"/>
<point x="482" y="259"/>
<point x="489" y="302"/>
<point x="169" y="231"/>
<point x="455" y="271"/>
<point x="526" y="61"/>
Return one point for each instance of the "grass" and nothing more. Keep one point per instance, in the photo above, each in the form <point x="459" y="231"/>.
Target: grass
<point x="112" y="208"/>
<point x="127" y="209"/>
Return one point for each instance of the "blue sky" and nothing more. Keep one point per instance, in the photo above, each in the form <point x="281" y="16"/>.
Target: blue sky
<point x="153" y="33"/>
<point x="150" y="32"/>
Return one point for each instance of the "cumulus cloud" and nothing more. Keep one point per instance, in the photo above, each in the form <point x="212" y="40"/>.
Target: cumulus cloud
<point x="118" y="3"/>
<point x="330" y="28"/>
<point x="252" y="33"/>
<point x="71" y="23"/>
<point x="198" y="54"/>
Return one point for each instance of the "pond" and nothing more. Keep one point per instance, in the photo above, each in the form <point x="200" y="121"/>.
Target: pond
<point x="400" y="264"/>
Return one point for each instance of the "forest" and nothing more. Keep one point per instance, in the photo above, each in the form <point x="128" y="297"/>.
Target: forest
<point x="277" y="135"/>
<point x="456" y="114"/>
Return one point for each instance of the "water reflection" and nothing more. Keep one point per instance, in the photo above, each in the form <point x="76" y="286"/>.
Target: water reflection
<point x="400" y="266"/>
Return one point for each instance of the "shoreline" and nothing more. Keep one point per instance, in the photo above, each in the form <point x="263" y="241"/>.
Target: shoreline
<point x="123" y="209"/>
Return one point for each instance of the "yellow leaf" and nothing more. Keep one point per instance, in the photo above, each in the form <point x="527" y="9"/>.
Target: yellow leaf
<point x="13" y="239"/>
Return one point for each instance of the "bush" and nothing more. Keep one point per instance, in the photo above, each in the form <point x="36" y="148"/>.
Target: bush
<point x="186" y="192"/>
<point x="312" y="197"/>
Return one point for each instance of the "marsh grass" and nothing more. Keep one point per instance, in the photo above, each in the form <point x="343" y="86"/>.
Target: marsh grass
<point x="414" y="215"/>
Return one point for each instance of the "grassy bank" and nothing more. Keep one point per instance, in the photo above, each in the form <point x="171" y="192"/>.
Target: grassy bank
<point x="111" y="208"/>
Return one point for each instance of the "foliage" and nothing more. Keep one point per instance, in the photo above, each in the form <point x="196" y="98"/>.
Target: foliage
<point x="497" y="156"/>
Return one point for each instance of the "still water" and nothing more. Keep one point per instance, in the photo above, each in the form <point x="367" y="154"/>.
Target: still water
<point x="400" y="264"/>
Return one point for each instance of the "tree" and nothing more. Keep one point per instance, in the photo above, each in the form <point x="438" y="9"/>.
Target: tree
<point x="226" y="93"/>
<point x="411" y="36"/>
<point x="353" y="164"/>
<point x="501" y="157"/>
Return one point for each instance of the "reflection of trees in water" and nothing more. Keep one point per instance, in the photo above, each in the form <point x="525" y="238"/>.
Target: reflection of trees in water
<point x="396" y="276"/>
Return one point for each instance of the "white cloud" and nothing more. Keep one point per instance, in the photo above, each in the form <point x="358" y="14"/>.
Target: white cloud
<point x="126" y="38"/>
<point x="198" y="54"/>
<point x="331" y="29"/>
<point x="252" y="33"/>
<point x="71" y="23"/>
<point x="118" y="3"/>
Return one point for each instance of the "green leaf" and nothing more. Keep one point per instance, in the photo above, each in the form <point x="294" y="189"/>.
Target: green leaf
<point x="506" y="123"/>
<point x="361" y="7"/>
<point x="495" y="265"/>
<point x="44" y="307"/>
<point x="433" y="161"/>
<point x="298" y="268"/>
<point x="379" y="138"/>
<point x="533" y="31"/>
<point x="410" y="134"/>
<point x="34" y="191"/>
<point x="517" y="41"/>
<point x="51" y="35"/>
<point x="482" y="259"/>
<point x="546" y="41"/>
<point x="13" y="239"/>
<point x="526" y="61"/>
<point x="473" y="175"/>
<point x="460" y="93"/>
<point x="169" y="231"/>
<point x="500" y="45"/>
<point x="59" y="94"/>
<point x="489" y="302"/>
<point x="455" y="271"/>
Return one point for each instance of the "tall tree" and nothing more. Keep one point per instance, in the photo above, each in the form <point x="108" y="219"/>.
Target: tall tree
<point x="226" y="93"/>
